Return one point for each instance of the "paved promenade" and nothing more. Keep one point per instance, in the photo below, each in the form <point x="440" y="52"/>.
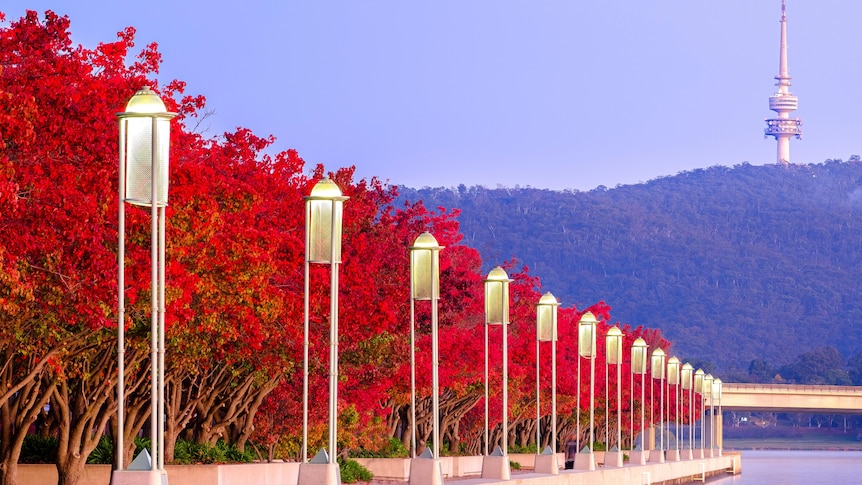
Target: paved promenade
<point x="650" y="474"/>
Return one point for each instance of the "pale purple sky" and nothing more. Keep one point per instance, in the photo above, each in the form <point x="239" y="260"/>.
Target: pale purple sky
<point x="550" y="94"/>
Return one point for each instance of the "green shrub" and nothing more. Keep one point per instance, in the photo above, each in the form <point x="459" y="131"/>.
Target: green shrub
<point x="37" y="449"/>
<point x="352" y="471"/>
<point x="103" y="454"/>
<point x="394" y="448"/>
<point x="189" y="452"/>
<point x="529" y="449"/>
<point x="514" y="465"/>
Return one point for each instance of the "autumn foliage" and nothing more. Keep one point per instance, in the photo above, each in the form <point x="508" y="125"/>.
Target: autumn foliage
<point x="235" y="237"/>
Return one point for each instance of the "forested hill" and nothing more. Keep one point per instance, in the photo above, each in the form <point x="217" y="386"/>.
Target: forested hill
<point x="732" y="264"/>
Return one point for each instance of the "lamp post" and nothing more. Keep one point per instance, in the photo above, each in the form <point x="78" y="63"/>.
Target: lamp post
<point x="657" y="368"/>
<point x="707" y="394"/>
<point x="673" y="366"/>
<point x="587" y="349"/>
<point x="546" y="331"/>
<point x="425" y="285"/>
<point x="496" y="465"/>
<point x="323" y="213"/>
<point x="639" y="366"/>
<point x="143" y="180"/>
<point x="698" y="389"/>
<point x="686" y="378"/>
<point x="614" y="356"/>
<point x="719" y="421"/>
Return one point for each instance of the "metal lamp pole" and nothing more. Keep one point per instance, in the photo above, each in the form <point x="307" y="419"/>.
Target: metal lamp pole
<point x="323" y="214"/>
<point x="587" y="349"/>
<point x="496" y="465"/>
<point x="716" y="393"/>
<point x="639" y="366"/>
<point x="497" y="313"/>
<point x="546" y="331"/>
<point x="673" y="367"/>
<point x="686" y="376"/>
<point x="143" y="180"/>
<point x="698" y="389"/>
<point x="658" y="372"/>
<point x="425" y="285"/>
<point x="614" y="351"/>
<point x="707" y="394"/>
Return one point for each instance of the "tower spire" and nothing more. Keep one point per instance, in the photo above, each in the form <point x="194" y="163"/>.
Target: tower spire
<point x="783" y="127"/>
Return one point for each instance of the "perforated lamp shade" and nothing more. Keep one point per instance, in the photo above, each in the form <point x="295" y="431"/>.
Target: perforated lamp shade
<point x="639" y="356"/>
<point x="698" y="381"/>
<point x="614" y="346"/>
<point x="497" y="297"/>
<point x="546" y="318"/>
<point x="587" y="335"/>
<point x="707" y="386"/>
<point x="145" y="140"/>
<point x="324" y="208"/>
<point x="425" y="267"/>
<point x="673" y="371"/>
<point x="685" y="375"/>
<point x="657" y="367"/>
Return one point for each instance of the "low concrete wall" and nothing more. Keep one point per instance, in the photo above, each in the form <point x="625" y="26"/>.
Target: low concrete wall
<point x="47" y="474"/>
<point x="238" y="474"/>
<point x="387" y="468"/>
<point x="528" y="460"/>
<point x="466" y="466"/>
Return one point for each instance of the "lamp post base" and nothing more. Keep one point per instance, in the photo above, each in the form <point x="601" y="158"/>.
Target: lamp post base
<point x="656" y="456"/>
<point x="426" y="471"/>
<point x="496" y="466"/>
<point x="139" y="477"/>
<point x="319" y="474"/>
<point x="638" y="457"/>
<point x="585" y="461"/>
<point x="614" y="459"/>
<point x="547" y="464"/>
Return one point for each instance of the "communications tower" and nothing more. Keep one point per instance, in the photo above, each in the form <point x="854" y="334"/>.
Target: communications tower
<point x="783" y="127"/>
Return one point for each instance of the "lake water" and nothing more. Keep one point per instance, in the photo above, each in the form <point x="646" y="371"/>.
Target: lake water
<point x="798" y="467"/>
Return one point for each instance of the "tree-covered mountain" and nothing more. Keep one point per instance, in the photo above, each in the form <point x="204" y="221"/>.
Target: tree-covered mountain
<point x="732" y="264"/>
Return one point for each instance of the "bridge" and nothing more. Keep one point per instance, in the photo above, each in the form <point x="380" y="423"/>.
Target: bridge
<point x="791" y="398"/>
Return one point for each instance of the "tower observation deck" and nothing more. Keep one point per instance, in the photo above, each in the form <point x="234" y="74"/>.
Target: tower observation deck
<point x="783" y="127"/>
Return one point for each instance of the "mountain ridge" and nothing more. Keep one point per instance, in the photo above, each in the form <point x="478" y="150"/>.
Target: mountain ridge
<point x="733" y="264"/>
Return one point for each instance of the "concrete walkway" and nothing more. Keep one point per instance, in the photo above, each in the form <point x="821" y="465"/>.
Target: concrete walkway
<point x="649" y="474"/>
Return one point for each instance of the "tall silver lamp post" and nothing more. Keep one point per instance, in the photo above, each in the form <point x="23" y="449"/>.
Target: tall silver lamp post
<point x="719" y="419"/>
<point x="614" y="356"/>
<point x="143" y="180"/>
<point x="686" y="375"/>
<point x="425" y="285"/>
<point x="585" y="460"/>
<point x="657" y="367"/>
<point x="707" y="394"/>
<point x="323" y="213"/>
<point x="673" y="368"/>
<point x="640" y="352"/>
<point x="698" y="389"/>
<point x="546" y="331"/>
<point x="496" y="464"/>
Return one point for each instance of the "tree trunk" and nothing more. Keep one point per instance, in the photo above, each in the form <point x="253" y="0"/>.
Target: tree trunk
<point x="72" y="471"/>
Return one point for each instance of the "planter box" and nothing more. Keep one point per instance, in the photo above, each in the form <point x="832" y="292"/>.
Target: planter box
<point x="235" y="474"/>
<point x="466" y="466"/>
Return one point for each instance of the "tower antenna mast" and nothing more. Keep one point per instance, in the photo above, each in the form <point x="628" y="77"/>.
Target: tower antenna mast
<point x="783" y="127"/>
